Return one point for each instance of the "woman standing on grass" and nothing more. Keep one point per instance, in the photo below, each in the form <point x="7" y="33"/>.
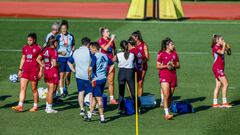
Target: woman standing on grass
<point x="167" y="63"/>
<point x="143" y="48"/>
<point x="29" y="71"/>
<point x="126" y="72"/>
<point x="48" y="60"/>
<point x="107" y="45"/>
<point x="218" y="50"/>
<point x="65" y="50"/>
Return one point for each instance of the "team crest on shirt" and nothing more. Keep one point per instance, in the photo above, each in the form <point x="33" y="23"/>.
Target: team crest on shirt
<point x="174" y="57"/>
<point x="34" y="50"/>
<point x="140" y="48"/>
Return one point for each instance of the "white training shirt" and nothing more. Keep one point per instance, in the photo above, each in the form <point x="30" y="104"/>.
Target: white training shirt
<point x="123" y="63"/>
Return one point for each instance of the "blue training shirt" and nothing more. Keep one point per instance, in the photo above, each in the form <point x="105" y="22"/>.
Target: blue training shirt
<point x="65" y="44"/>
<point x="82" y="59"/>
<point x="99" y="65"/>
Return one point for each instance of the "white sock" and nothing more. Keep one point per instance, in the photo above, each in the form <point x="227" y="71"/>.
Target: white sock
<point x="166" y="111"/>
<point x="111" y="97"/>
<point x="224" y="100"/>
<point x="49" y="106"/>
<point x="20" y="103"/>
<point x="215" y="101"/>
<point x="61" y="90"/>
<point x="102" y="117"/>
<point x="35" y="105"/>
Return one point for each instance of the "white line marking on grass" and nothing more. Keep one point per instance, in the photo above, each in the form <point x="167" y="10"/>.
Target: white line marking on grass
<point x="121" y="21"/>
<point x="152" y="52"/>
<point x="3" y="50"/>
<point x="232" y="88"/>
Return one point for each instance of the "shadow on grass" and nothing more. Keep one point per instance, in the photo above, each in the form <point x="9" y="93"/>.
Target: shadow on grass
<point x="4" y="97"/>
<point x="192" y="100"/>
<point x="235" y="103"/>
<point x="112" y="118"/>
<point x="15" y="103"/>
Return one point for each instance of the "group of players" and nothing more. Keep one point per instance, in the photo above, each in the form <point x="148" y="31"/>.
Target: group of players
<point x="56" y="60"/>
<point x="93" y="64"/>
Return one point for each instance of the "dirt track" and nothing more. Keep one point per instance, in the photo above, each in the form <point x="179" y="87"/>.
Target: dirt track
<point x="110" y="10"/>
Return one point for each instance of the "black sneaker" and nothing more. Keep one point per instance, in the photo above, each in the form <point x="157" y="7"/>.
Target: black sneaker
<point x="63" y="95"/>
<point x="86" y="118"/>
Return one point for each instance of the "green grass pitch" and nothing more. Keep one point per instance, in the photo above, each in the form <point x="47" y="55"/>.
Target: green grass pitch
<point x="195" y="80"/>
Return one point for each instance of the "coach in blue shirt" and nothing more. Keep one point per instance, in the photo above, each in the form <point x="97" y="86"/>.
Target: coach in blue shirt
<point x="82" y="60"/>
<point x="98" y="69"/>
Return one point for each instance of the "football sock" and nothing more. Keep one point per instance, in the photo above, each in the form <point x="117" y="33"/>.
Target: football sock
<point x="61" y="90"/>
<point x="215" y="101"/>
<point x="49" y="106"/>
<point x="20" y="103"/>
<point x="102" y="117"/>
<point x="111" y="97"/>
<point x="46" y="105"/>
<point x="166" y="111"/>
<point x="35" y="105"/>
<point x="224" y="100"/>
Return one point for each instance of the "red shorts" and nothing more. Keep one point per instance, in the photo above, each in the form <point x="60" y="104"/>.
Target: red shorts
<point x="218" y="73"/>
<point x="145" y="66"/>
<point x="51" y="76"/>
<point x="30" y="75"/>
<point x="172" y="80"/>
<point x="139" y="75"/>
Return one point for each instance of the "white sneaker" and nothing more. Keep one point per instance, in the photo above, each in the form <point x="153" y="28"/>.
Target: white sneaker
<point x="50" y="111"/>
<point x="82" y="112"/>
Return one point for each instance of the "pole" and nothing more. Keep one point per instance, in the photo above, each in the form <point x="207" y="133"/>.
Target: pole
<point x="136" y="102"/>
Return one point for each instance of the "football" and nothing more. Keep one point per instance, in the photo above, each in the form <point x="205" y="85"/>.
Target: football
<point x="42" y="92"/>
<point x="13" y="78"/>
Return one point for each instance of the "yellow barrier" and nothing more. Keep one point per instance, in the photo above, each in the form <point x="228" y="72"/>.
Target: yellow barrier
<point x="158" y="9"/>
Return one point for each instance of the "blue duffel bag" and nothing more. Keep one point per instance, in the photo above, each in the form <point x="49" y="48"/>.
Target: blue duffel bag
<point x="148" y="101"/>
<point x="129" y="106"/>
<point x="181" y="107"/>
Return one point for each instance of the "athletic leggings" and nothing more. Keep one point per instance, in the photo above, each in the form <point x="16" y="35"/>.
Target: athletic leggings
<point x="126" y="76"/>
